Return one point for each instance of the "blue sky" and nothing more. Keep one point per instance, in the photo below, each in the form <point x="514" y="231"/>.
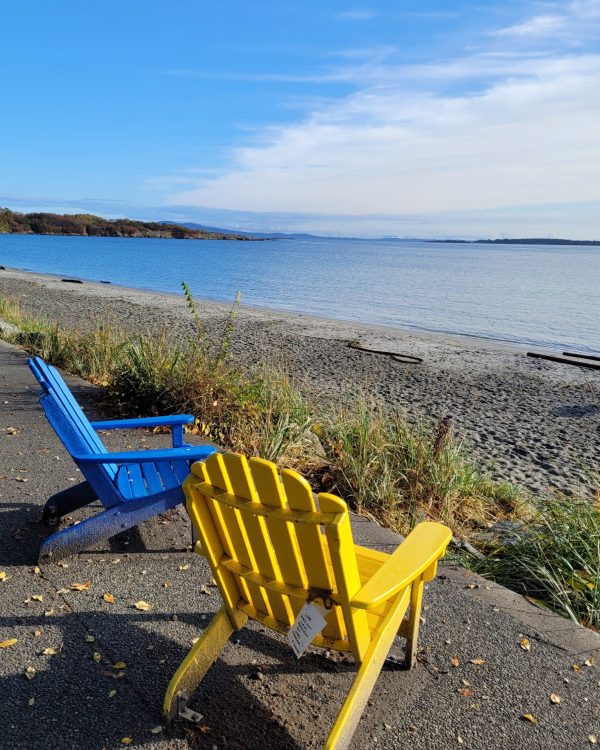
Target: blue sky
<point x="400" y="118"/>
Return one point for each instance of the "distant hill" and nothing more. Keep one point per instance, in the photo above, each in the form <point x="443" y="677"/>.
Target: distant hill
<point x="88" y="225"/>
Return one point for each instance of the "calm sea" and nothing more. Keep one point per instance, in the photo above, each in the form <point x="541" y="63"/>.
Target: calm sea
<point x="534" y="295"/>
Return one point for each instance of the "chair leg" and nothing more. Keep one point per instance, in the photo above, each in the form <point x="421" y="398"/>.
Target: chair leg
<point x="67" y="501"/>
<point x="341" y="734"/>
<point x="104" y="525"/>
<point x="201" y="657"/>
<point x="412" y="631"/>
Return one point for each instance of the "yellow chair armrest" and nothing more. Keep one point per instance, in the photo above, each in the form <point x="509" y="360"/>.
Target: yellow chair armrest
<point x="417" y="555"/>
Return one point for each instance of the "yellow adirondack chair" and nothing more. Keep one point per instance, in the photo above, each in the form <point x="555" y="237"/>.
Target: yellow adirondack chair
<point x="271" y="549"/>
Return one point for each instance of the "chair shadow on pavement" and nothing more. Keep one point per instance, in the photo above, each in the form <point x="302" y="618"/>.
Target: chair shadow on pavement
<point x="69" y="701"/>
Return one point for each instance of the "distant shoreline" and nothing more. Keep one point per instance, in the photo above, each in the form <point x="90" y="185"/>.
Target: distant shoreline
<point x="521" y="241"/>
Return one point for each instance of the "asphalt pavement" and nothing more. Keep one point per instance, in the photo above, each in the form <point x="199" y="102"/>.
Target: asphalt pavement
<point x="88" y="673"/>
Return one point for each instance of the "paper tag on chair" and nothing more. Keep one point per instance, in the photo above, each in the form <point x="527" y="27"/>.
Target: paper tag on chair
<point x="307" y="625"/>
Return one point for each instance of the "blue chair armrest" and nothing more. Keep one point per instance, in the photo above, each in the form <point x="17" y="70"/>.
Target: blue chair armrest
<point x="127" y="424"/>
<point x="188" y="453"/>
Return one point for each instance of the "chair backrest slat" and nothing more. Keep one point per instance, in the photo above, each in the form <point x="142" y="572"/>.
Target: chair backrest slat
<point x="313" y="550"/>
<point x="242" y="485"/>
<point x="79" y="437"/>
<point x="233" y="529"/>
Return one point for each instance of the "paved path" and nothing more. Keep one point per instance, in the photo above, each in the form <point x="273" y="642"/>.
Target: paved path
<point x="256" y="695"/>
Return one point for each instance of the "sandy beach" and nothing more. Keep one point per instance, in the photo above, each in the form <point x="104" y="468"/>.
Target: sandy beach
<point x="532" y="422"/>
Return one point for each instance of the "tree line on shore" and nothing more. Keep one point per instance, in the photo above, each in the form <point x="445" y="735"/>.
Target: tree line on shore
<point x="88" y="225"/>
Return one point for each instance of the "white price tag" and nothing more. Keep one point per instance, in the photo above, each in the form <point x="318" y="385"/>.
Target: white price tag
<point x="309" y="622"/>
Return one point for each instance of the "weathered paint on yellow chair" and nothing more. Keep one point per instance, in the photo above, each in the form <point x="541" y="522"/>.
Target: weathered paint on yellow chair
<point x="262" y="534"/>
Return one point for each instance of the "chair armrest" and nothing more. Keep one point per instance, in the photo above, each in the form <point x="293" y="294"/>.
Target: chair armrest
<point x="126" y="424"/>
<point x="417" y="554"/>
<point x="189" y="453"/>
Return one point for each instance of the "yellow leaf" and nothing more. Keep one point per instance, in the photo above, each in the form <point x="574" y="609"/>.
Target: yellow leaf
<point x="576" y="668"/>
<point x="3" y="575"/>
<point x="96" y="657"/>
<point x="187" y="566"/>
<point x="80" y="586"/>
<point x="37" y="571"/>
<point x="554" y="698"/>
<point x="454" y="661"/>
<point x="593" y="739"/>
<point x="529" y="717"/>
<point x="126" y="741"/>
<point x="49" y="651"/>
<point x="108" y="598"/>
<point x="590" y="662"/>
<point x="37" y="598"/>
<point x="144" y="606"/>
<point x="119" y="665"/>
<point x="30" y="673"/>
<point x="477" y="662"/>
<point x="525" y="644"/>
<point x="9" y="642"/>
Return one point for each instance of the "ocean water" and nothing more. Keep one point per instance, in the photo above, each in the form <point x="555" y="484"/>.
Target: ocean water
<point x="535" y="295"/>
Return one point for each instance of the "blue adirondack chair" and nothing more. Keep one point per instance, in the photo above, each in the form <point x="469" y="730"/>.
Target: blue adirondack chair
<point x="133" y="485"/>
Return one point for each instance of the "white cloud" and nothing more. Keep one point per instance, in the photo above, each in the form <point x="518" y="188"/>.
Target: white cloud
<point x="536" y="26"/>
<point x="505" y="127"/>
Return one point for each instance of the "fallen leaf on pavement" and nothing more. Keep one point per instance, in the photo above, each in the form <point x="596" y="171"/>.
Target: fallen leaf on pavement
<point x="576" y="668"/>
<point x="96" y="657"/>
<point x="477" y="662"/>
<point x="590" y="662"/>
<point x="37" y="571"/>
<point x="108" y="598"/>
<point x="156" y="730"/>
<point x="119" y="665"/>
<point x="465" y="692"/>
<point x="80" y="586"/>
<point x="11" y="430"/>
<point x="7" y="643"/>
<point x="525" y="644"/>
<point x="3" y="575"/>
<point x="530" y="718"/>
<point x="126" y="741"/>
<point x="187" y="566"/>
<point x="37" y="633"/>
<point x="89" y="638"/>
<point x="454" y="661"/>
<point x="144" y="606"/>
<point x="593" y="739"/>
<point x="119" y="675"/>
<point x="112" y="693"/>
<point x="49" y="651"/>
<point x="49" y="612"/>
<point x="30" y="673"/>
<point x="37" y="598"/>
<point x="31" y="701"/>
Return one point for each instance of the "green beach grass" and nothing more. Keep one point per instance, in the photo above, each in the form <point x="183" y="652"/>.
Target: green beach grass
<point x="383" y="467"/>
